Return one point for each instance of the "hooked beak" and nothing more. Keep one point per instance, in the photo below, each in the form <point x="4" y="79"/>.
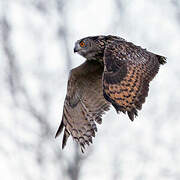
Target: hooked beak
<point x="76" y="48"/>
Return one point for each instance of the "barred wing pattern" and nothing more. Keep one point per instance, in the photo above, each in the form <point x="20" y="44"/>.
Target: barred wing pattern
<point x="128" y="70"/>
<point x="84" y="103"/>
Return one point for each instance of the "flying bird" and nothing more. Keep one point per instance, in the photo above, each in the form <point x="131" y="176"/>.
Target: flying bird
<point x="116" y="72"/>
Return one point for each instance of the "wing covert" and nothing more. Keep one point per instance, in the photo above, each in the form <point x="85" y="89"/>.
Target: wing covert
<point x="128" y="70"/>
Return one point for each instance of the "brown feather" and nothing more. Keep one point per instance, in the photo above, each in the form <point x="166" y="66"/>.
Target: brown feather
<point x="128" y="70"/>
<point x="84" y="104"/>
<point x="59" y="129"/>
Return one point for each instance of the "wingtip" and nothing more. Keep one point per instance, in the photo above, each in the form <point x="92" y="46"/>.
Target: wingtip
<point x="59" y="129"/>
<point x="65" y="137"/>
<point x="82" y="150"/>
<point x="132" y="114"/>
<point x="63" y="145"/>
<point x="162" y="59"/>
<point x="56" y="135"/>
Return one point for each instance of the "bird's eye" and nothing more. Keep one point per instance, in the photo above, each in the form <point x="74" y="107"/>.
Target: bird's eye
<point x="82" y="44"/>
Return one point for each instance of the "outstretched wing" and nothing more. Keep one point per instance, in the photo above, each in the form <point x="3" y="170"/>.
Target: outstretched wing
<point x="84" y="103"/>
<point x="128" y="70"/>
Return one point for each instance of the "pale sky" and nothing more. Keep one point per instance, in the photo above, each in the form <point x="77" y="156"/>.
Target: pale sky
<point x="148" y="148"/>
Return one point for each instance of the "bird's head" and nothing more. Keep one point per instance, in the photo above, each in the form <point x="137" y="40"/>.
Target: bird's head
<point x="90" y="47"/>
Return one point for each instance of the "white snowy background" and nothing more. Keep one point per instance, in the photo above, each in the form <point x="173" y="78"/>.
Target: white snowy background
<point x="36" y="53"/>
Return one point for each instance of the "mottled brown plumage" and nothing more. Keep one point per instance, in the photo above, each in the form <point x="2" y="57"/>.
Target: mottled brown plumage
<point x="116" y="72"/>
<point x="84" y="103"/>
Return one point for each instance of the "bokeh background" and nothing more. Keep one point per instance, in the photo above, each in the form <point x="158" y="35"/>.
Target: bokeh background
<point x="36" y="53"/>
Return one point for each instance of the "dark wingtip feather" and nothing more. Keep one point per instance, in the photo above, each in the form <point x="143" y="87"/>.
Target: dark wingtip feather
<point x="59" y="129"/>
<point x="90" y="140"/>
<point x="133" y="113"/>
<point x="65" y="137"/>
<point x="82" y="149"/>
<point x="162" y="59"/>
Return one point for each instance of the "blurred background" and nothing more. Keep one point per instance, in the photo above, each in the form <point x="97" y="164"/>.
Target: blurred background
<point x="36" y="53"/>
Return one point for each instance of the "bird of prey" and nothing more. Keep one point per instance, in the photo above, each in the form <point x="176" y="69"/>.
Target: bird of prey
<point x="116" y="72"/>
